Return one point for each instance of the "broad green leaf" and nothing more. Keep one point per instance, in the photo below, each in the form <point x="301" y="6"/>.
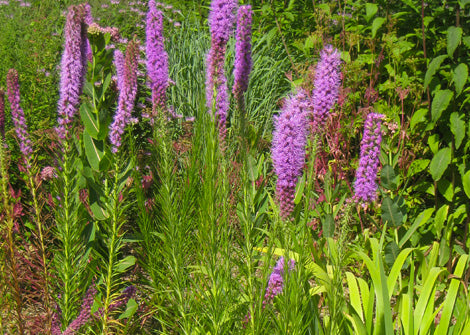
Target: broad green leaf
<point x="433" y="142"/>
<point x="94" y="151"/>
<point x="439" y="163"/>
<point x="125" y="263"/>
<point x="89" y="119"/>
<point x="388" y="177"/>
<point x="252" y="169"/>
<point x="466" y="183"/>
<point x="422" y="218"/>
<point x="440" y="102"/>
<point x="99" y="213"/>
<point x="418" y="117"/>
<point x="457" y="126"/>
<point x="391" y="212"/>
<point x="460" y="77"/>
<point x="391" y="252"/>
<point x="417" y="166"/>
<point x="454" y="36"/>
<point x="328" y="225"/>
<point x="432" y="68"/>
<point x="131" y="308"/>
<point x="376" y="24"/>
<point x="371" y="10"/>
<point x="445" y="188"/>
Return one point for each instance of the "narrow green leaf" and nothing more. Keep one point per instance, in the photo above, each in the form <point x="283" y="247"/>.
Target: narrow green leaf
<point x="354" y="296"/>
<point x="359" y="328"/>
<point x="440" y="218"/>
<point x="440" y="102"/>
<point x="454" y="36"/>
<point x="376" y="24"/>
<point x="422" y="218"/>
<point x="396" y="269"/>
<point x="457" y="126"/>
<point x="426" y="294"/>
<point x="460" y="77"/>
<point x="439" y="163"/>
<point x="432" y="68"/>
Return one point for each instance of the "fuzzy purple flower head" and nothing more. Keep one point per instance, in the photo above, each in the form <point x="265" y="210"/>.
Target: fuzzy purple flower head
<point x="327" y="82"/>
<point x="243" y="61"/>
<point x="288" y="148"/>
<point x="221" y="21"/>
<point x="73" y="66"/>
<point x="157" y="58"/>
<point x="17" y="114"/>
<point x="127" y="85"/>
<point x="365" y="186"/>
<point x="276" y="280"/>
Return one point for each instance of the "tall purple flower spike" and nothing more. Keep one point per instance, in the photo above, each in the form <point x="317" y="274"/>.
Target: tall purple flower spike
<point x="73" y="67"/>
<point x="288" y="148"/>
<point x="327" y="82"/>
<point x="243" y="61"/>
<point x="127" y="85"/>
<point x="157" y="58"/>
<point x="17" y="114"/>
<point x="221" y="21"/>
<point x="365" y="186"/>
<point x="85" y="313"/>
<point x="2" y="113"/>
<point x="276" y="280"/>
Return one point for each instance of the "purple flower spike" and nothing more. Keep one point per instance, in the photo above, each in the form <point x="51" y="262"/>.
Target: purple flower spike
<point x="73" y="67"/>
<point x="84" y="315"/>
<point x="2" y="113"/>
<point x="276" y="280"/>
<point x="365" y="186"/>
<point x="221" y="19"/>
<point x="157" y="58"/>
<point x="17" y="114"/>
<point x="288" y="148"/>
<point x="242" y="52"/>
<point x="127" y="85"/>
<point x="327" y="82"/>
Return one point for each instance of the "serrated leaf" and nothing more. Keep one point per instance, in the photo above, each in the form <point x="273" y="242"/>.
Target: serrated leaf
<point x="418" y="117"/>
<point x="440" y="102"/>
<point x="439" y="163"/>
<point x="388" y="177"/>
<point x="466" y="183"/>
<point x="432" y="68"/>
<point x="457" y="127"/>
<point x="460" y="77"/>
<point x="391" y="212"/>
<point x="454" y="36"/>
<point x="371" y="10"/>
<point x="376" y="24"/>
